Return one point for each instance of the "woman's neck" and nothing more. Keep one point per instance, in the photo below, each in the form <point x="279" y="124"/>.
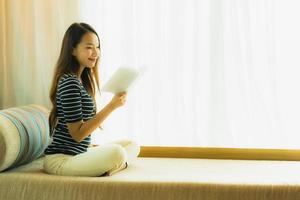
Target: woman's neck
<point x="81" y="68"/>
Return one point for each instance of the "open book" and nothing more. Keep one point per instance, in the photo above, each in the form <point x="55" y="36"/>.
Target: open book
<point x="122" y="79"/>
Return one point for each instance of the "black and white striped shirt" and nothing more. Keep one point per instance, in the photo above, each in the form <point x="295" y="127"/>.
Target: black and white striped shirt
<point x="73" y="104"/>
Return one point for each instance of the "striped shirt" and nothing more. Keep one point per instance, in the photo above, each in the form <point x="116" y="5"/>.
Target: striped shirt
<point x="73" y="104"/>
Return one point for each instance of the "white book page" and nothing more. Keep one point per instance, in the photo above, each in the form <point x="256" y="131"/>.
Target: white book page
<point x="122" y="80"/>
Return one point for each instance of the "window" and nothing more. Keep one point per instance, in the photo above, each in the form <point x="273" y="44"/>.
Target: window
<point x="220" y="73"/>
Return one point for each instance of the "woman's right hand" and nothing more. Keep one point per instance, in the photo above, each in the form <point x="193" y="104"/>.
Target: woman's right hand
<point x="118" y="100"/>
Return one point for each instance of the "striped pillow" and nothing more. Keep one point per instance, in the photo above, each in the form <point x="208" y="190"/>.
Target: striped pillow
<point x="24" y="135"/>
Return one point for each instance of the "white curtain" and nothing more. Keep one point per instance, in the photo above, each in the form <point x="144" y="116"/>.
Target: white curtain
<point x="220" y="73"/>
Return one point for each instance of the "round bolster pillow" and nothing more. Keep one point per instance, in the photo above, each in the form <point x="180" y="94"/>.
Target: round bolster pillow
<point x="24" y="135"/>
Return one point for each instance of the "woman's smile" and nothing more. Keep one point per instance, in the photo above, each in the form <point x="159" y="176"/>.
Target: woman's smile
<point x="92" y="59"/>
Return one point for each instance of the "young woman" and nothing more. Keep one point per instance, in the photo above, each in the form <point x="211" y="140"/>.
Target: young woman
<point x="73" y="117"/>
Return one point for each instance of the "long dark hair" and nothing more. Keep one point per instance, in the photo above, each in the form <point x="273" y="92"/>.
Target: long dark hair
<point x="67" y="63"/>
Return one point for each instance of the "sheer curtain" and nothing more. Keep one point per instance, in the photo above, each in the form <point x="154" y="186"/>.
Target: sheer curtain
<point x="220" y="73"/>
<point x="30" y="37"/>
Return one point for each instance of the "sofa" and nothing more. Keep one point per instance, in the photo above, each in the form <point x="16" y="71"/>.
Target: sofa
<point x="22" y="176"/>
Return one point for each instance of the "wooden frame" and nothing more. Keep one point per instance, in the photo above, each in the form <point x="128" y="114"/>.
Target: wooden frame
<point x="220" y="153"/>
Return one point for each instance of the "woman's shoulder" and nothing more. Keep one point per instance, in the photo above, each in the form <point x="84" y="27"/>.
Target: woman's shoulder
<point x="68" y="79"/>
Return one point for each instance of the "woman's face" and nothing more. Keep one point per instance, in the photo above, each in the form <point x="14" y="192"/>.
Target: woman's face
<point x="88" y="50"/>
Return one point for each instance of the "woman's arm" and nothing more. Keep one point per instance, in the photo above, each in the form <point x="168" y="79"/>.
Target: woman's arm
<point x="80" y="130"/>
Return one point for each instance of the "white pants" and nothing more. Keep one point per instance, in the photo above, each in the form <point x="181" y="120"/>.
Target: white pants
<point x="107" y="158"/>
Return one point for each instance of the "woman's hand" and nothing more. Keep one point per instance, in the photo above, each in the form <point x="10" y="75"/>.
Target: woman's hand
<point x="118" y="100"/>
